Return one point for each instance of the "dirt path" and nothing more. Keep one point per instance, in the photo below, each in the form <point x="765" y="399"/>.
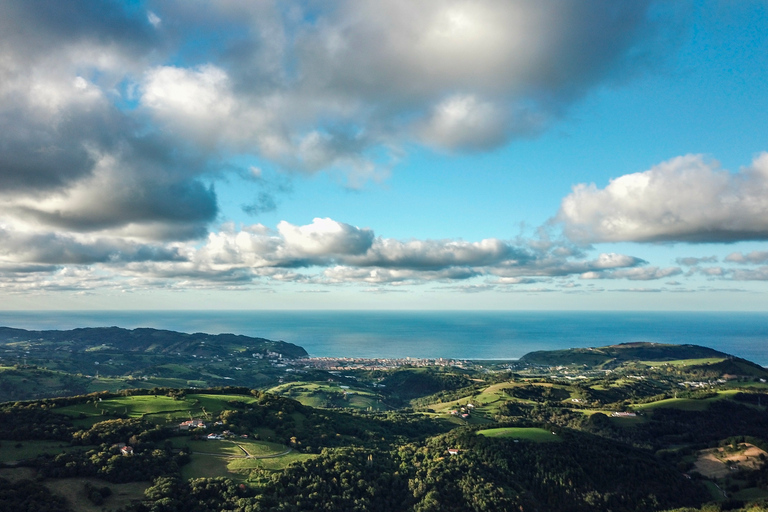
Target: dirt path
<point x="243" y="449"/>
<point x="246" y="454"/>
<point x="273" y="456"/>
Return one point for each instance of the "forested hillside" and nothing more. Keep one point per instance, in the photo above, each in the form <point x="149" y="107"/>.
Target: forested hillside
<point x="647" y="433"/>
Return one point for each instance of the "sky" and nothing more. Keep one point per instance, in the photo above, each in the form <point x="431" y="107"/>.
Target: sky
<point x="361" y="154"/>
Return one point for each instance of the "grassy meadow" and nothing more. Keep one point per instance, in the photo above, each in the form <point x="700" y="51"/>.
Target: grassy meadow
<point x="537" y="435"/>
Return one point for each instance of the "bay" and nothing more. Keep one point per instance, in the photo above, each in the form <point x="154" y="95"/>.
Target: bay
<point x="434" y="334"/>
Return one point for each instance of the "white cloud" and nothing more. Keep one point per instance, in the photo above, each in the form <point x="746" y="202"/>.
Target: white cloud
<point x="324" y="88"/>
<point x="634" y="274"/>
<point x="434" y="254"/>
<point x="685" y="199"/>
<point x="693" y="261"/>
<point x="515" y="280"/>
<point x="114" y="123"/>
<point x="712" y="271"/>
<point x="325" y="237"/>
<point x="154" y="19"/>
<point x="325" y="252"/>
<point x="195" y="102"/>
<point x="339" y="85"/>
<point x="464" y="122"/>
<point x="754" y="257"/>
<point x="757" y="274"/>
<point x="548" y="263"/>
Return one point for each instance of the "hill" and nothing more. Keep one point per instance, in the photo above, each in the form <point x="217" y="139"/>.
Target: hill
<point x="614" y="355"/>
<point x="622" y="427"/>
<point x="147" y="340"/>
<point x="39" y="364"/>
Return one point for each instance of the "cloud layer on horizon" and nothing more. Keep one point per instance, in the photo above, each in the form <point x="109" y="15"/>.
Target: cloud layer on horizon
<point x="324" y="252"/>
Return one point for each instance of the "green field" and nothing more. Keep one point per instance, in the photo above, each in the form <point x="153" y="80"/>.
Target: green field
<point x="684" y="362"/>
<point x="686" y="404"/>
<point x="537" y="435"/>
<point x="228" y="457"/>
<point x="23" y="450"/>
<point x="261" y="448"/>
<point x="156" y="408"/>
<point x="72" y="490"/>
<point x="715" y="493"/>
<point x="325" y="394"/>
<point x="487" y="402"/>
<point x="236" y="447"/>
<point x="627" y="421"/>
<point x="205" y="466"/>
<point x="214" y="404"/>
<point x="747" y="385"/>
<point x="149" y="406"/>
<point x="751" y="493"/>
<point x="222" y="447"/>
<point x="270" y="464"/>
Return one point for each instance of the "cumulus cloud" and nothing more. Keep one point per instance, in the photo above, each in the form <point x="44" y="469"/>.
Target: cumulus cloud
<point x="343" y="253"/>
<point x="685" y="199"/>
<point x="114" y="120"/>
<point x="634" y="274"/>
<point x="754" y="257"/>
<point x="757" y="274"/>
<point x="692" y="261"/>
<point x="116" y="123"/>
<point x="325" y="237"/>
<point x="20" y="247"/>
<point x="324" y="252"/>
<point x="322" y="86"/>
<point x="464" y="122"/>
<point x="126" y="195"/>
<point x="710" y="271"/>
<point x="549" y="263"/>
<point x="74" y="158"/>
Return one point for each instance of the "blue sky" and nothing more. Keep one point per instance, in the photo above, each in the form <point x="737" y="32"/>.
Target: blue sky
<point x="366" y="155"/>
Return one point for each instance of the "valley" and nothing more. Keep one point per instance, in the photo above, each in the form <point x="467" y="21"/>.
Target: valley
<point x="170" y="423"/>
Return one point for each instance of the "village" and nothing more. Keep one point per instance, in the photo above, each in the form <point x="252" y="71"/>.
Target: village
<point x="360" y="363"/>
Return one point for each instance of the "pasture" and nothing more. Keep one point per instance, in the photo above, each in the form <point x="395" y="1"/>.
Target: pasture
<point x="536" y="435"/>
<point x="684" y="362"/>
<point x="234" y="458"/>
<point x="155" y="408"/>
<point x="73" y="489"/>
<point x="329" y="394"/>
<point x="23" y="450"/>
<point x="686" y="404"/>
<point x="487" y="402"/>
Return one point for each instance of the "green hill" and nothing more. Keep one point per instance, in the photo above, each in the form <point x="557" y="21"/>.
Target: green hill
<point x="37" y="364"/>
<point x="615" y="355"/>
<point x="153" y="341"/>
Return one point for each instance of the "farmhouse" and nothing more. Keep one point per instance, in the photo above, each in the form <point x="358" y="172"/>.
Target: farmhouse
<point x="191" y="424"/>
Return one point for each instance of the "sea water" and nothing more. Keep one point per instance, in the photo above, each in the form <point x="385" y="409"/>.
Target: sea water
<point x="434" y="334"/>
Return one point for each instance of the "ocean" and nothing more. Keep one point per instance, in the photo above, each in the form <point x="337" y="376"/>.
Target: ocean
<point x="434" y="334"/>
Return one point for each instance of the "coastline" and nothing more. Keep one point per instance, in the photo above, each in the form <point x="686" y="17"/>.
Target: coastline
<point x="475" y="335"/>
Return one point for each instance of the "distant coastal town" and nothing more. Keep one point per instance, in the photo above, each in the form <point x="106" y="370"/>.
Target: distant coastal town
<point x="359" y="363"/>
